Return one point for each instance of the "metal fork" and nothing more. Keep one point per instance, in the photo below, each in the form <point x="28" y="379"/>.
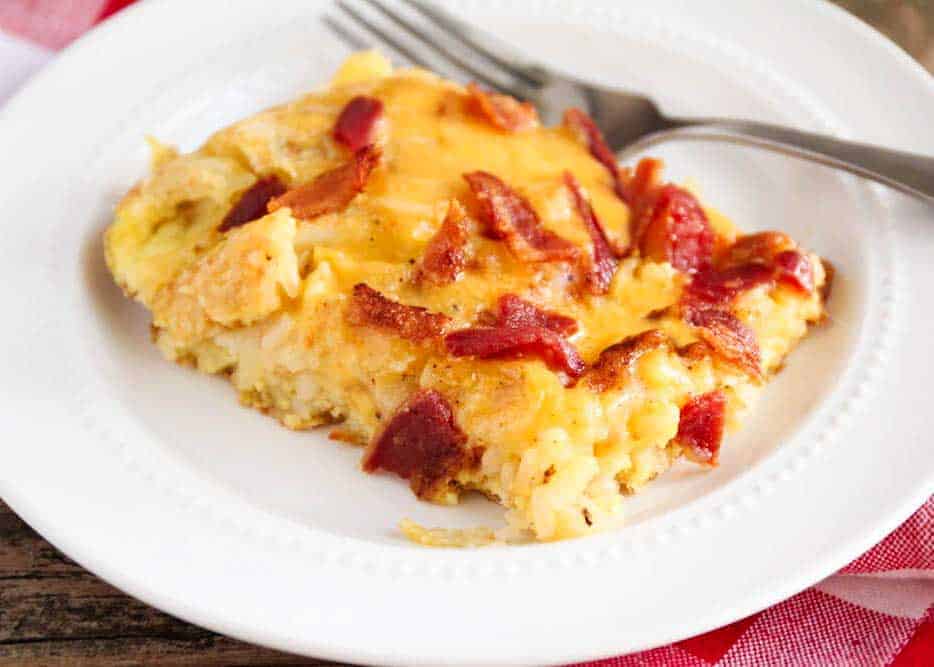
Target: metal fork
<point x="434" y="38"/>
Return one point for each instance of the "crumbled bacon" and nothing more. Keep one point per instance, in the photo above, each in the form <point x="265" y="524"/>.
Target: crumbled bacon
<point x="370" y="308"/>
<point x="509" y="216"/>
<point x="677" y="231"/>
<point x="714" y="287"/>
<point x="517" y="343"/>
<point x="758" y="248"/>
<point x="700" y="427"/>
<point x="252" y="203"/>
<point x="603" y="262"/>
<point x="642" y="185"/>
<point x="615" y="362"/>
<point x="446" y="254"/>
<point x="514" y="312"/>
<point x="503" y="111"/>
<point x="587" y="132"/>
<point x="332" y="190"/>
<point x="667" y="222"/>
<point x="730" y="338"/>
<point x="794" y="268"/>
<point x="356" y="124"/>
<point x="753" y="260"/>
<point x="775" y="250"/>
<point x="422" y="443"/>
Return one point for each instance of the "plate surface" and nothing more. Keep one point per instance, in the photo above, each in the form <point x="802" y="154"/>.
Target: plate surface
<point x="152" y="477"/>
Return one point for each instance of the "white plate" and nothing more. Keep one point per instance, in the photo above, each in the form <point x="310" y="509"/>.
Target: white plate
<point x="152" y="477"/>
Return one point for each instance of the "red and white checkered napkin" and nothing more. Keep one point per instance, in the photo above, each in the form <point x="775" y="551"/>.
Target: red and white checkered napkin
<point x="879" y="610"/>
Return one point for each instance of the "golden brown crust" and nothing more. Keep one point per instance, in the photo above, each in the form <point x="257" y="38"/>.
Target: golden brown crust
<point x="695" y="352"/>
<point x="615" y="362"/>
<point x="830" y="271"/>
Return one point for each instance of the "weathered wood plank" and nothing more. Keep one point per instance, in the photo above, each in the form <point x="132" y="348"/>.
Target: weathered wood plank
<point x="125" y="652"/>
<point x="24" y="553"/>
<point x="40" y="608"/>
<point x="53" y="612"/>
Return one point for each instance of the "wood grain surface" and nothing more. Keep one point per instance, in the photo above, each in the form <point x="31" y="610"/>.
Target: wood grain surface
<point x="53" y="612"/>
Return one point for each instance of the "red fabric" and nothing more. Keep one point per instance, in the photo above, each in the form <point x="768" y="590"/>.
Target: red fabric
<point x="112" y="7"/>
<point x="819" y="628"/>
<point x="715" y="644"/>
<point x="911" y="547"/>
<point x="918" y="651"/>
<point x="816" y="627"/>
<point x="51" y="23"/>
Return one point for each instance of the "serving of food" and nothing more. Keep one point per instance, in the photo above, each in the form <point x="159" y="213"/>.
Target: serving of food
<point x="480" y="302"/>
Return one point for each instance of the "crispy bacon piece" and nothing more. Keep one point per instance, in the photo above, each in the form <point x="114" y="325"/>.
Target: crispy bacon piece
<point x="587" y="132"/>
<point x="509" y="216"/>
<point x="667" y="222"/>
<point x="423" y="444"/>
<point x="753" y="260"/>
<point x="446" y="254"/>
<point x="775" y="250"/>
<point x="603" y="260"/>
<point x="370" y="308"/>
<point x="517" y="343"/>
<point x="252" y="203"/>
<point x="721" y="287"/>
<point x="730" y="338"/>
<point x="794" y="268"/>
<point x="758" y="248"/>
<point x="677" y="231"/>
<point x="516" y="313"/>
<point x="503" y="111"/>
<point x="641" y="186"/>
<point x="356" y="123"/>
<point x="332" y="190"/>
<point x="700" y="427"/>
<point x="615" y="362"/>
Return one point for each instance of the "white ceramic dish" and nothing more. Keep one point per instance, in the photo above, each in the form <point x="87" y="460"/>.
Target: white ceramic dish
<point x="151" y="475"/>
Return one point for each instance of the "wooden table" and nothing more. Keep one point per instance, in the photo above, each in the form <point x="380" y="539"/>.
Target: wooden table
<point x="53" y="612"/>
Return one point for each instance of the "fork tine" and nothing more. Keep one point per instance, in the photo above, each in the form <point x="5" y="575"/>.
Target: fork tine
<point x="362" y="40"/>
<point x="451" y="56"/>
<point x="353" y="41"/>
<point x="383" y="36"/>
<point x="483" y="43"/>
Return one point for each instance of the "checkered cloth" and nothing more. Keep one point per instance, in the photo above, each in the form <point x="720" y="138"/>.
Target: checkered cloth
<point x="879" y="610"/>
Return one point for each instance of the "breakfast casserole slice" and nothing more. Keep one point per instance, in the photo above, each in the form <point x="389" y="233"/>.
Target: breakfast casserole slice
<point x="481" y="302"/>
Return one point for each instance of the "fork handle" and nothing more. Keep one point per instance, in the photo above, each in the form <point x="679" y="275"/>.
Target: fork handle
<point x="907" y="172"/>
